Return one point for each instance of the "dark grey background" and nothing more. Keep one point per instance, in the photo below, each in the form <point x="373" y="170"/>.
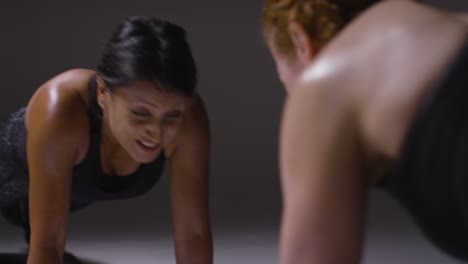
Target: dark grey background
<point x="237" y="81"/>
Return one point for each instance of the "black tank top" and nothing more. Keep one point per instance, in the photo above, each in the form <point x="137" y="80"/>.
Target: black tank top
<point x="431" y="177"/>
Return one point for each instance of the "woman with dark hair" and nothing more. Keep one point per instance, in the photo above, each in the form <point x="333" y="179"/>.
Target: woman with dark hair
<point x="374" y="99"/>
<point x="88" y="136"/>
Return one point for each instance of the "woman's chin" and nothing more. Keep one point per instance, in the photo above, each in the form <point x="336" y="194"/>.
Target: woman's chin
<point x="146" y="157"/>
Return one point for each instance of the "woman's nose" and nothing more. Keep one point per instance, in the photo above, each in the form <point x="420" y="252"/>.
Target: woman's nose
<point x="153" y="132"/>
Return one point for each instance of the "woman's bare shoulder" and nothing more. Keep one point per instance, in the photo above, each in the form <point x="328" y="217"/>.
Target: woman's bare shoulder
<point x="58" y="110"/>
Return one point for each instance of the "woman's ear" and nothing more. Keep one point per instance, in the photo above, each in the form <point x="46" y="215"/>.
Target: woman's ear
<point x="304" y="47"/>
<point x="101" y="91"/>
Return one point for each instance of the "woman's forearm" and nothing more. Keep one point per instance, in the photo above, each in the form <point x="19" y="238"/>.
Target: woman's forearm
<point x="44" y="255"/>
<point x="197" y="250"/>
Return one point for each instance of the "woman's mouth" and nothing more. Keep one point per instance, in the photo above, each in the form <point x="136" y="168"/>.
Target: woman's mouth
<point x="147" y="146"/>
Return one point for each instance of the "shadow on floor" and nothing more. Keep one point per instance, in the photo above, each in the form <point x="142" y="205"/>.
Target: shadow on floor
<point x="21" y="258"/>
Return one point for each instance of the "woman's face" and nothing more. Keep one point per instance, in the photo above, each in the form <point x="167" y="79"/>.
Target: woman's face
<point x="143" y="118"/>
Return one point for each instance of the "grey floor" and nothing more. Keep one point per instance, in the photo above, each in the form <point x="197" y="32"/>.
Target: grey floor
<point x="391" y="238"/>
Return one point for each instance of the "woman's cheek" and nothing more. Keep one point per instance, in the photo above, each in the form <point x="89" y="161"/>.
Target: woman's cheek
<point x="170" y="131"/>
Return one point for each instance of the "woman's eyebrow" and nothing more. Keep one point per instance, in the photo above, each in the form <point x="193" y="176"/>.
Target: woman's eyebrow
<point x="142" y="100"/>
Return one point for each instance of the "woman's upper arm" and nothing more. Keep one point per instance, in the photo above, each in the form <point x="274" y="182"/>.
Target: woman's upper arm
<point x="52" y="149"/>
<point x="189" y="174"/>
<point x="324" y="189"/>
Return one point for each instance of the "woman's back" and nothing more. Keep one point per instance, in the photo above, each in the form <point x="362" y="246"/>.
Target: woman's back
<point x="387" y="60"/>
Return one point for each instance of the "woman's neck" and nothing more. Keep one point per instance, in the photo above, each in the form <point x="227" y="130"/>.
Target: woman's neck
<point x="115" y="160"/>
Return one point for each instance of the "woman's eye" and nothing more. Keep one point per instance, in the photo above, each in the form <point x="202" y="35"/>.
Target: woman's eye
<point x="140" y="113"/>
<point x="174" y="115"/>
